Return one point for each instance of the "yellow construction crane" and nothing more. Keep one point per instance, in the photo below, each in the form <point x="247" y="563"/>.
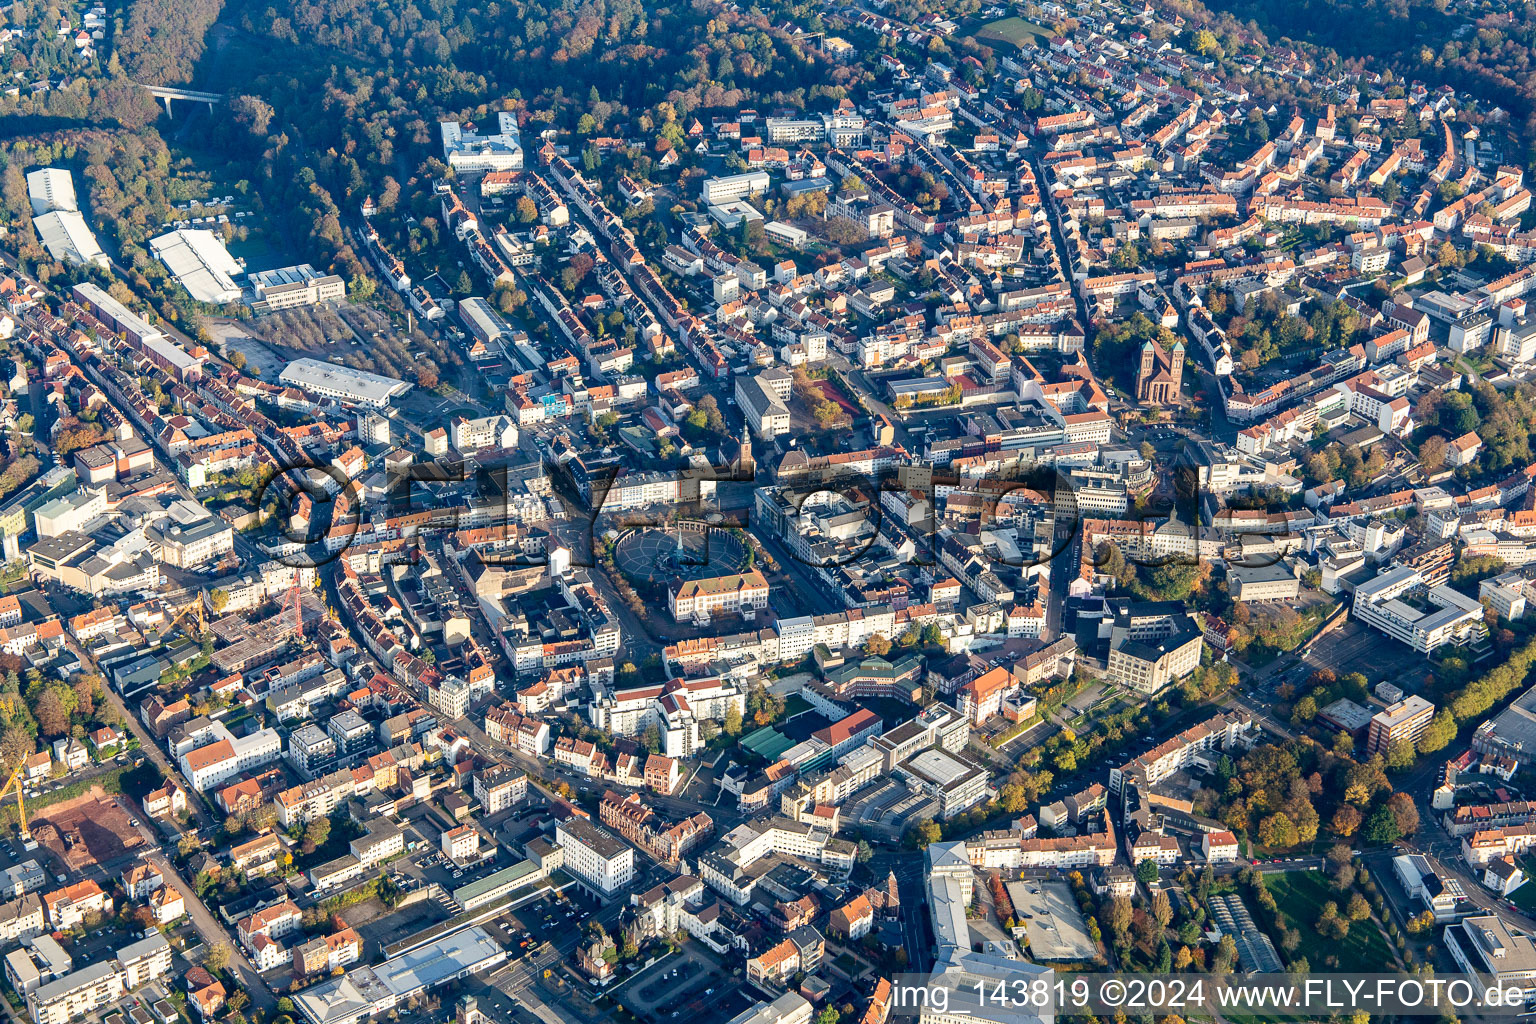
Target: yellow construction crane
<point x="21" y="804"/>
<point x="195" y="606"/>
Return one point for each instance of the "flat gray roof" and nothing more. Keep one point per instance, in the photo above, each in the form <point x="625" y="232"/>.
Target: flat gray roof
<point x="1053" y="925"/>
<point x="327" y="378"/>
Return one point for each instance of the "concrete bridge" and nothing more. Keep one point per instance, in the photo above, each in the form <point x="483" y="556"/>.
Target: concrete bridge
<point x="168" y="93"/>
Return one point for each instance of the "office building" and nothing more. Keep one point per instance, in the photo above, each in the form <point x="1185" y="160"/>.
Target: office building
<point x="596" y="856"/>
<point x="1400" y="604"/>
<point x="302" y="285"/>
<point x="731" y="187"/>
<point x="1406" y="721"/>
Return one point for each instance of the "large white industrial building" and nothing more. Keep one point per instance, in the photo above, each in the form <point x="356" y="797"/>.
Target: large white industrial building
<point x="198" y="260"/>
<point x="51" y="188"/>
<point x="354" y="387"/>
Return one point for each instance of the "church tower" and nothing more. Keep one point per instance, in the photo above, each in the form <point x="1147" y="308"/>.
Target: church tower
<point x="467" y="1011"/>
<point x="1147" y="369"/>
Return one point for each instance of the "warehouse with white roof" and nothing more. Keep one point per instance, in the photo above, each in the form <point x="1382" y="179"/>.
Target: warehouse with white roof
<point x="355" y="387"/>
<point x="68" y="239"/>
<point x="197" y="258"/>
<point x="369" y="991"/>
<point x="51" y="188"/>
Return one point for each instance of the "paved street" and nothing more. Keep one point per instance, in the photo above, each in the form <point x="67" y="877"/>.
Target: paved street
<point x="213" y="932"/>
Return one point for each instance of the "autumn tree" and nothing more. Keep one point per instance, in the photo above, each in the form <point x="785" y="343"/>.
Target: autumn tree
<point x="1346" y="820"/>
<point x="16" y="745"/>
<point x="1400" y="754"/>
<point x="1162" y="909"/>
<point x="1118" y="917"/>
<point x="1358" y="909"/>
<point x="217" y="957"/>
<point x="1278" y="831"/>
<point x="1404" y="814"/>
<point x="1432" y="454"/>
<point x="51" y="713"/>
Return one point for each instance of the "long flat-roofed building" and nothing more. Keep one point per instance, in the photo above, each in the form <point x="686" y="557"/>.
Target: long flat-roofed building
<point x="149" y="340"/>
<point x="354" y="387"/>
<point x="51" y="188"/>
<point x="733" y="186"/>
<point x="69" y="239"/>
<point x="287" y="287"/>
<point x="199" y="261"/>
<point x="369" y="991"/>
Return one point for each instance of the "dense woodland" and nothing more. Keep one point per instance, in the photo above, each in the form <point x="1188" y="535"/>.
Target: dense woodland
<point x="161" y="41"/>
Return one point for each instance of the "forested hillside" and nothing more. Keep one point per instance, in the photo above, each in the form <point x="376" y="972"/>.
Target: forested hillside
<point x="1483" y="50"/>
<point x="161" y="41"/>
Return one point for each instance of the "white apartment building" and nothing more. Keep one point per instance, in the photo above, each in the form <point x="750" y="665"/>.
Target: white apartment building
<point x="725" y="867"/>
<point x="596" y="856"/>
<point x="82" y="993"/>
<point x="187" y="542"/>
<point x="731" y="187"/>
<point x="1484" y="847"/>
<point x="500" y="788"/>
<point x="77" y="994"/>
<point x="675" y="707"/>
<point x="1222" y="732"/>
<point x="455" y="694"/>
<point x="472" y="435"/>
<point x="228" y="755"/>
<point x="21" y="918"/>
<point x="1398" y="604"/>
<point x="462" y="843"/>
<point x="383" y="840"/>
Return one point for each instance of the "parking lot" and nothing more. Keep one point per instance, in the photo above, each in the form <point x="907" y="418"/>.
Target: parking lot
<point x="1354" y="647"/>
<point x="687" y="985"/>
<point x="428" y="864"/>
<point x="548" y="920"/>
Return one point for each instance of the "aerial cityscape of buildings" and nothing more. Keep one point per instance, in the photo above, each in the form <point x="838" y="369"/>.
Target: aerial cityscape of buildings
<point x="1062" y="507"/>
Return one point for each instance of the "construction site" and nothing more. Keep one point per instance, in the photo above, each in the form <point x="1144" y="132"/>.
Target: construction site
<point x="87" y="831"/>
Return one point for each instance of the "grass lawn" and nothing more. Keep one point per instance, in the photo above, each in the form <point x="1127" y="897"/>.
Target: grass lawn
<point x="1524" y="898"/>
<point x="1010" y="30"/>
<point x="1299" y="896"/>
